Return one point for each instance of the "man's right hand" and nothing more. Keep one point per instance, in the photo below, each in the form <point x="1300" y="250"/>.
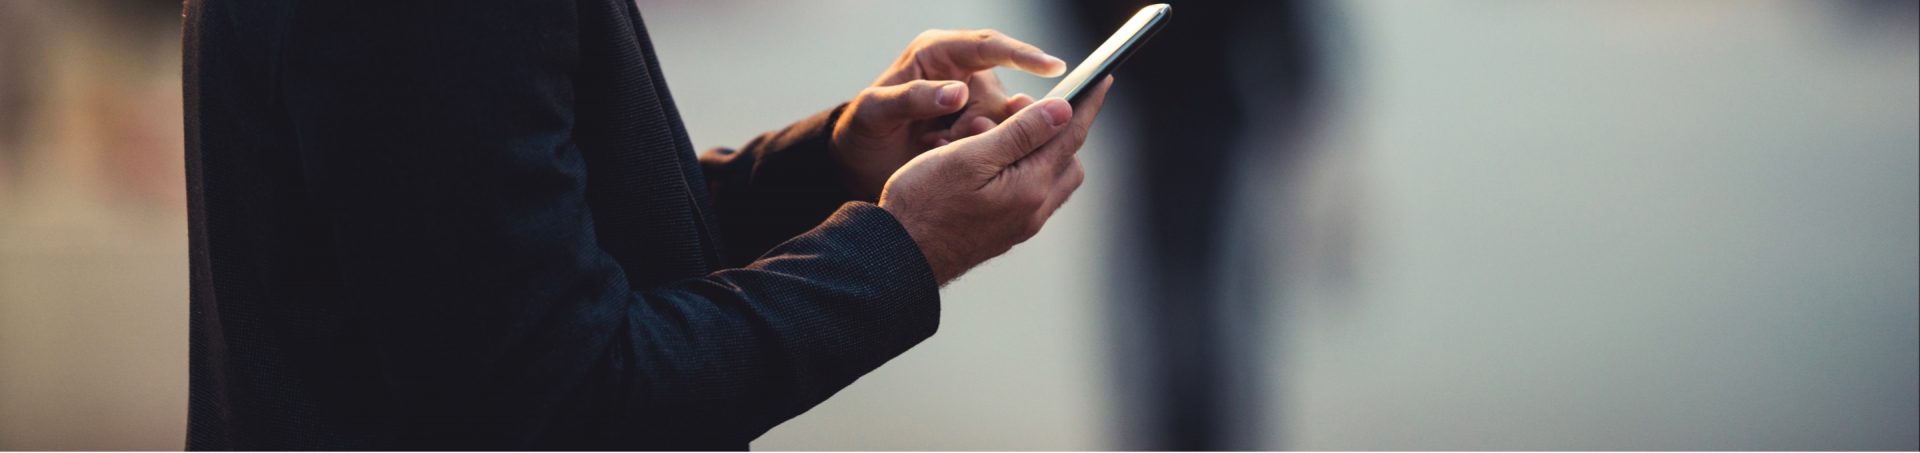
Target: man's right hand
<point x="975" y="198"/>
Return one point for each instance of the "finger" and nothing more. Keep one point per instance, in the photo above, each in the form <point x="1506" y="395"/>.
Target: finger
<point x="974" y="50"/>
<point x="1021" y="133"/>
<point x="933" y="139"/>
<point x="986" y="85"/>
<point x="1017" y="102"/>
<point x="1063" y="187"/>
<point x="1054" y="195"/>
<point x="987" y="98"/>
<point x="979" y="125"/>
<point x="886" y="108"/>
<point x="973" y="125"/>
<point x="1058" y="151"/>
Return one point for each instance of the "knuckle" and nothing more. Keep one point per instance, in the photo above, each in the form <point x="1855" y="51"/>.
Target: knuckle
<point x="1057" y="165"/>
<point x="924" y="42"/>
<point x="1084" y="130"/>
<point x="930" y="86"/>
<point x="866" y="100"/>
<point x="915" y="89"/>
<point x="855" y="111"/>
<point x="1033" y="133"/>
<point x="987" y="34"/>
<point x="981" y="168"/>
<point x="1032" y="227"/>
<point x="982" y="48"/>
<point x="1026" y="138"/>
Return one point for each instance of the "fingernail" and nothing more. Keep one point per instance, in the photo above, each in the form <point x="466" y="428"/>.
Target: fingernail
<point x="950" y="94"/>
<point x="1051" y="62"/>
<point x="1057" y="113"/>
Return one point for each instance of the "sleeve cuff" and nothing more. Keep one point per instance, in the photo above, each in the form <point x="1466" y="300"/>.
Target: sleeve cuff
<point x="874" y="249"/>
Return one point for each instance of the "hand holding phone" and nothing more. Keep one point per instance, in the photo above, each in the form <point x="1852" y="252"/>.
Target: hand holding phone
<point x="960" y="215"/>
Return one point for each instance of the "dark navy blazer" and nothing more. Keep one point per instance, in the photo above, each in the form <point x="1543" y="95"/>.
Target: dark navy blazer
<point x="481" y="225"/>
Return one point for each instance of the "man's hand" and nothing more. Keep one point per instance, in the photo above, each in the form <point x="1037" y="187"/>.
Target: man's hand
<point x="911" y="107"/>
<point x="976" y="198"/>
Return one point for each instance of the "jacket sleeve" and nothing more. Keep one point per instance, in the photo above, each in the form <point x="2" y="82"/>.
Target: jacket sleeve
<point x="779" y="185"/>
<point x="437" y="136"/>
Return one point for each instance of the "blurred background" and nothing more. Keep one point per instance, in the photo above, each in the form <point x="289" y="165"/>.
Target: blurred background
<point x="1368" y="224"/>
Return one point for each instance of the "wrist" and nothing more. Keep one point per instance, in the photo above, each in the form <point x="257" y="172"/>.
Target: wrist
<point x="847" y="171"/>
<point x="942" y="258"/>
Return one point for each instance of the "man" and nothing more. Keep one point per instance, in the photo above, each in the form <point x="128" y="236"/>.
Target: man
<point x="480" y="225"/>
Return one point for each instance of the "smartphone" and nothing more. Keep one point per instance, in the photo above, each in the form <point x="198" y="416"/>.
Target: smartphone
<point x="1111" y="54"/>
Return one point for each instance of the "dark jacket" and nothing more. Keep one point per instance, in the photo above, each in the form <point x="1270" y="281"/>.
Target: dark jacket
<point x="481" y="225"/>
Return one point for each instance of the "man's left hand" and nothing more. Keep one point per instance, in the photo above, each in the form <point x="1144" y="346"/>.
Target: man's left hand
<point x="912" y="106"/>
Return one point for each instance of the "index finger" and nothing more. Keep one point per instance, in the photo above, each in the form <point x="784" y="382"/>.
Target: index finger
<point x="977" y="50"/>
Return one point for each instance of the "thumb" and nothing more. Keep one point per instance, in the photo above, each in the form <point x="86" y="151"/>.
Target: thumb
<point x="1023" y="132"/>
<point x="885" y="108"/>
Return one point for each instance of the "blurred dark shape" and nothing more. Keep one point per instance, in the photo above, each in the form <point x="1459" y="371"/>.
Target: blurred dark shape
<point x="15" y="31"/>
<point x="1880" y="14"/>
<point x="78" y="83"/>
<point x="1198" y="89"/>
<point x="1900" y="12"/>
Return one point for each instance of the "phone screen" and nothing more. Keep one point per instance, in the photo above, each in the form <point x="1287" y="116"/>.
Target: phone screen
<point x="1110" y="54"/>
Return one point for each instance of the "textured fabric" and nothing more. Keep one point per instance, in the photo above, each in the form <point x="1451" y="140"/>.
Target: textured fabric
<point x="775" y="187"/>
<point x="481" y="225"/>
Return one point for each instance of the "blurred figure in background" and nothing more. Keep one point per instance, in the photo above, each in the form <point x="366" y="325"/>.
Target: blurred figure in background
<point x="92" y="225"/>
<point x="1228" y="84"/>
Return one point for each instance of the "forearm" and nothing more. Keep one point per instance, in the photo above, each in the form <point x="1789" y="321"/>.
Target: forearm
<point x="726" y="356"/>
<point x="780" y="184"/>
<point x="779" y="336"/>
